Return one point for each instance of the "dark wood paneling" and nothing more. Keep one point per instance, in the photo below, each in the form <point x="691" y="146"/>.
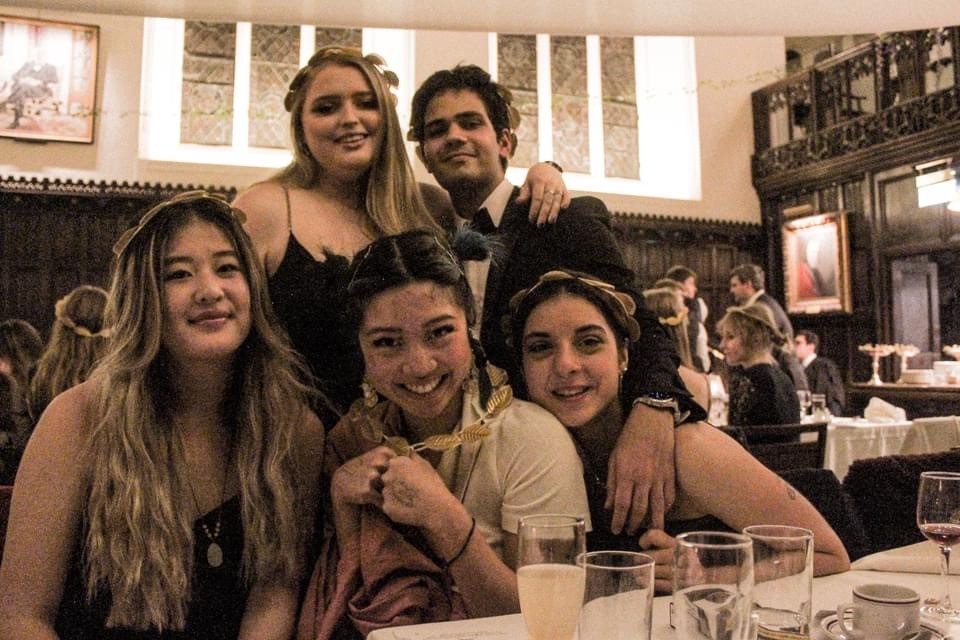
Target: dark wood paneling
<point x="56" y="235"/>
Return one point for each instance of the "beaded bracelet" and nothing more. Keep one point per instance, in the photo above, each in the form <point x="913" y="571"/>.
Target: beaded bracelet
<point x="463" y="547"/>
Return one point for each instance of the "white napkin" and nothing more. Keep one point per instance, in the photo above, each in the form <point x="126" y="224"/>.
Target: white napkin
<point x="881" y="410"/>
<point x="923" y="557"/>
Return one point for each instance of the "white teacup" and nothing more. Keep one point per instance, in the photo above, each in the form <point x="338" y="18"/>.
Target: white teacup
<point x="881" y="612"/>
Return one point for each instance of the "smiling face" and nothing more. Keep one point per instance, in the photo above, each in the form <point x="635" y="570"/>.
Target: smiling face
<point x="416" y="352"/>
<point x="341" y="121"/>
<point x="571" y="359"/>
<point x="206" y="297"/>
<point x="460" y="146"/>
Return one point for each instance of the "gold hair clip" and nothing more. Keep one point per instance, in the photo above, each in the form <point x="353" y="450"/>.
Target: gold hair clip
<point x="180" y="198"/>
<point x="675" y="320"/>
<point x="624" y="302"/>
<point x="60" y="311"/>
<point x="324" y="53"/>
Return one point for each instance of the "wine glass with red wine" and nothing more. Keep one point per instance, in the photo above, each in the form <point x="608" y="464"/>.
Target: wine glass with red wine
<point x="938" y="516"/>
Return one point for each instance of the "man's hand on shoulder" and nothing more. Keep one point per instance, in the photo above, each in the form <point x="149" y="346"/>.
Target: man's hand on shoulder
<point x="641" y="475"/>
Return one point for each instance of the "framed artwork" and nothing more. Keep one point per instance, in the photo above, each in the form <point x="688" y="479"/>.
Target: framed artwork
<point x="816" y="263"/>
<point x="48" y="79"/>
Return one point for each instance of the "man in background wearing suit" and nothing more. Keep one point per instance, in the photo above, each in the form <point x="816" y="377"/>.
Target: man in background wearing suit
<point x="463" y="124"/>
<point x="822" y="373"/>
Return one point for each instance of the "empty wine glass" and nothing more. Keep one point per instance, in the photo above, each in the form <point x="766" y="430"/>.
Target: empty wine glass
<point x="803" y="395"/>
<point x="549" y="580"/>
<point x="938" y="516"/>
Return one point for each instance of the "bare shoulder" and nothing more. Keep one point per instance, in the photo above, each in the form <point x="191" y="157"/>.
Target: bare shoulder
<point x="61" y="425"/>
<point x="265" y="207"/>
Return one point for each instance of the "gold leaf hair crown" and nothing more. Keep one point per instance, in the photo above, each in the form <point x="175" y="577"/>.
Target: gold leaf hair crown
<point x="334" y="52"/>
<point x="60" y="311"/>
<point x="622" y="302"/>
<point x="180" y="198"/>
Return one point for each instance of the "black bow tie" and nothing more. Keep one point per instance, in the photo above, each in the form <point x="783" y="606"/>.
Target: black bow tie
<point x="483" y="223"/>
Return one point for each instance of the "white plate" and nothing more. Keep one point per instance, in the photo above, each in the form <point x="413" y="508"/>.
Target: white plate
<point x="826" y="627"/>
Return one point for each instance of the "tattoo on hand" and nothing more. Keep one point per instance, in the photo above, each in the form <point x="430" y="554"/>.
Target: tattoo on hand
<point x="791" y="492"/>
<point x="404" y="494"/>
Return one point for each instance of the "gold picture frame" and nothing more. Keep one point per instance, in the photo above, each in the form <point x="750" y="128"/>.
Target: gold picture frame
<point x="816" y="263"/>
<point x="48" y="79"/>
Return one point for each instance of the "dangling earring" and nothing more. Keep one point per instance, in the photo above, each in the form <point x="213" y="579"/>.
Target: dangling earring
<point x="370" y="396"/>
<point x="623" y="370"/>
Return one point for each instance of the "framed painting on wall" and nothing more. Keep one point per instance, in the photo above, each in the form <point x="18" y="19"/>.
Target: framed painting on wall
<point x="816" y="263"/>
<point x="48" y="79"/>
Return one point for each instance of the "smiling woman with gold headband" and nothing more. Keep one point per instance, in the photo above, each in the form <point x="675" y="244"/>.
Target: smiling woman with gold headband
<point x="350" y="182"/>
<point x="571" y="332"/>
<point x="171" y="494"/>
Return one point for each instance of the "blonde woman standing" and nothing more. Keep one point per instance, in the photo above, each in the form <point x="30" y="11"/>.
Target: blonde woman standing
<point x="171" y="494"/>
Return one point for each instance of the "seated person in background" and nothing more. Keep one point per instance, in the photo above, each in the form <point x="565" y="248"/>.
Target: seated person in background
<point x="822" y="373"/>
<point x="172" y="493"/>
<point x="15" y="427"/>
<point x="760" y="392"/>
<point x="78" y="340"/>
<point x="20" y="348"/>
<point x="428" y="531"/>
<point x="667" y="303"/>
<point x="698" y="311"/>
<point x="571" y="334"/>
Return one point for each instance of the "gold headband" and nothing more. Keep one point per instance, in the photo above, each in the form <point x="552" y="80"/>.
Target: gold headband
<point x="624" y="302"/>
<point x="60" y="310"/>
<point x="180" y="198"/>
<point x="675" y="320"/>
<point x="333" y="52"/>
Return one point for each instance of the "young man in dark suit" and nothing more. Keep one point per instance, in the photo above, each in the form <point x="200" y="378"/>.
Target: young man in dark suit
<point x="463" y="123"/>
<point x="822" y="373"/>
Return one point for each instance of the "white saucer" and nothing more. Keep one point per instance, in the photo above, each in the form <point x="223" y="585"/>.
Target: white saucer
<point x="826" y="627"/>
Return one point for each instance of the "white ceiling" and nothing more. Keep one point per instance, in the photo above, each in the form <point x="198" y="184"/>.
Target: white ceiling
<point x="613" y="17"/>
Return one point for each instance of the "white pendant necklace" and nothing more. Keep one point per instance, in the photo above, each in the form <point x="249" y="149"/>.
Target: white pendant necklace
<point x="214" y="550"/>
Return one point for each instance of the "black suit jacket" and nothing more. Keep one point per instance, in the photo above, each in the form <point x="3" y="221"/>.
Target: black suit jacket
<point x="824" y="377"/>
<point x="581" y="240"/>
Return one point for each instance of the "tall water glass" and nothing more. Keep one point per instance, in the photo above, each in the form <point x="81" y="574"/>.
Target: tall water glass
<point x="938" y="516"/>
<point x="803" y="395"/>
<point x="618" y="599"/>
<point x="713" y="586"/>
<point x="549" y="580"/>
<point x="783" y="580"/>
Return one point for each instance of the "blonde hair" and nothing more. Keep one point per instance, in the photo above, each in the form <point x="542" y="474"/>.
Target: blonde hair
<point x="392" y="198"/>
<point x="139" y="541"/>
<point x="754" y="325"/>
<point x="78" y="340"/>
<point x="667" y="303"/>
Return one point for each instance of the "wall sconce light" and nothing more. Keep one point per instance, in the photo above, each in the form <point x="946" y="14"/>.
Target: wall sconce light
<point x="936" y="183"/>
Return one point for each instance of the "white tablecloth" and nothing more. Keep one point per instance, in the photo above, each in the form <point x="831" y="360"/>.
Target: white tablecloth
<point x="850" y="439"/>
<point x="928" y="435"/>
<point x="828" y="592"/>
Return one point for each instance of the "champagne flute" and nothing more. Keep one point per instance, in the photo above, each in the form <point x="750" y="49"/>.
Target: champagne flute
<point x="938" y="516"/>
<point x="549" y="580"/>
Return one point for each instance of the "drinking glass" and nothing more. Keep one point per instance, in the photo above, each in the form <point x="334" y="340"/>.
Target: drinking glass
<point x="938" y="516"/>
<point x="783" y="575"/>
<point x="549" y="580"/>
<point x="803" y="396"/>
<point x="618" y="598"/>
<point x="713" y="586"/>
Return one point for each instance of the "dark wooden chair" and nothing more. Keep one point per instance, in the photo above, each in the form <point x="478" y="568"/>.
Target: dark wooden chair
<point x="884" y="494"/>
<point x="783" y="446"/>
